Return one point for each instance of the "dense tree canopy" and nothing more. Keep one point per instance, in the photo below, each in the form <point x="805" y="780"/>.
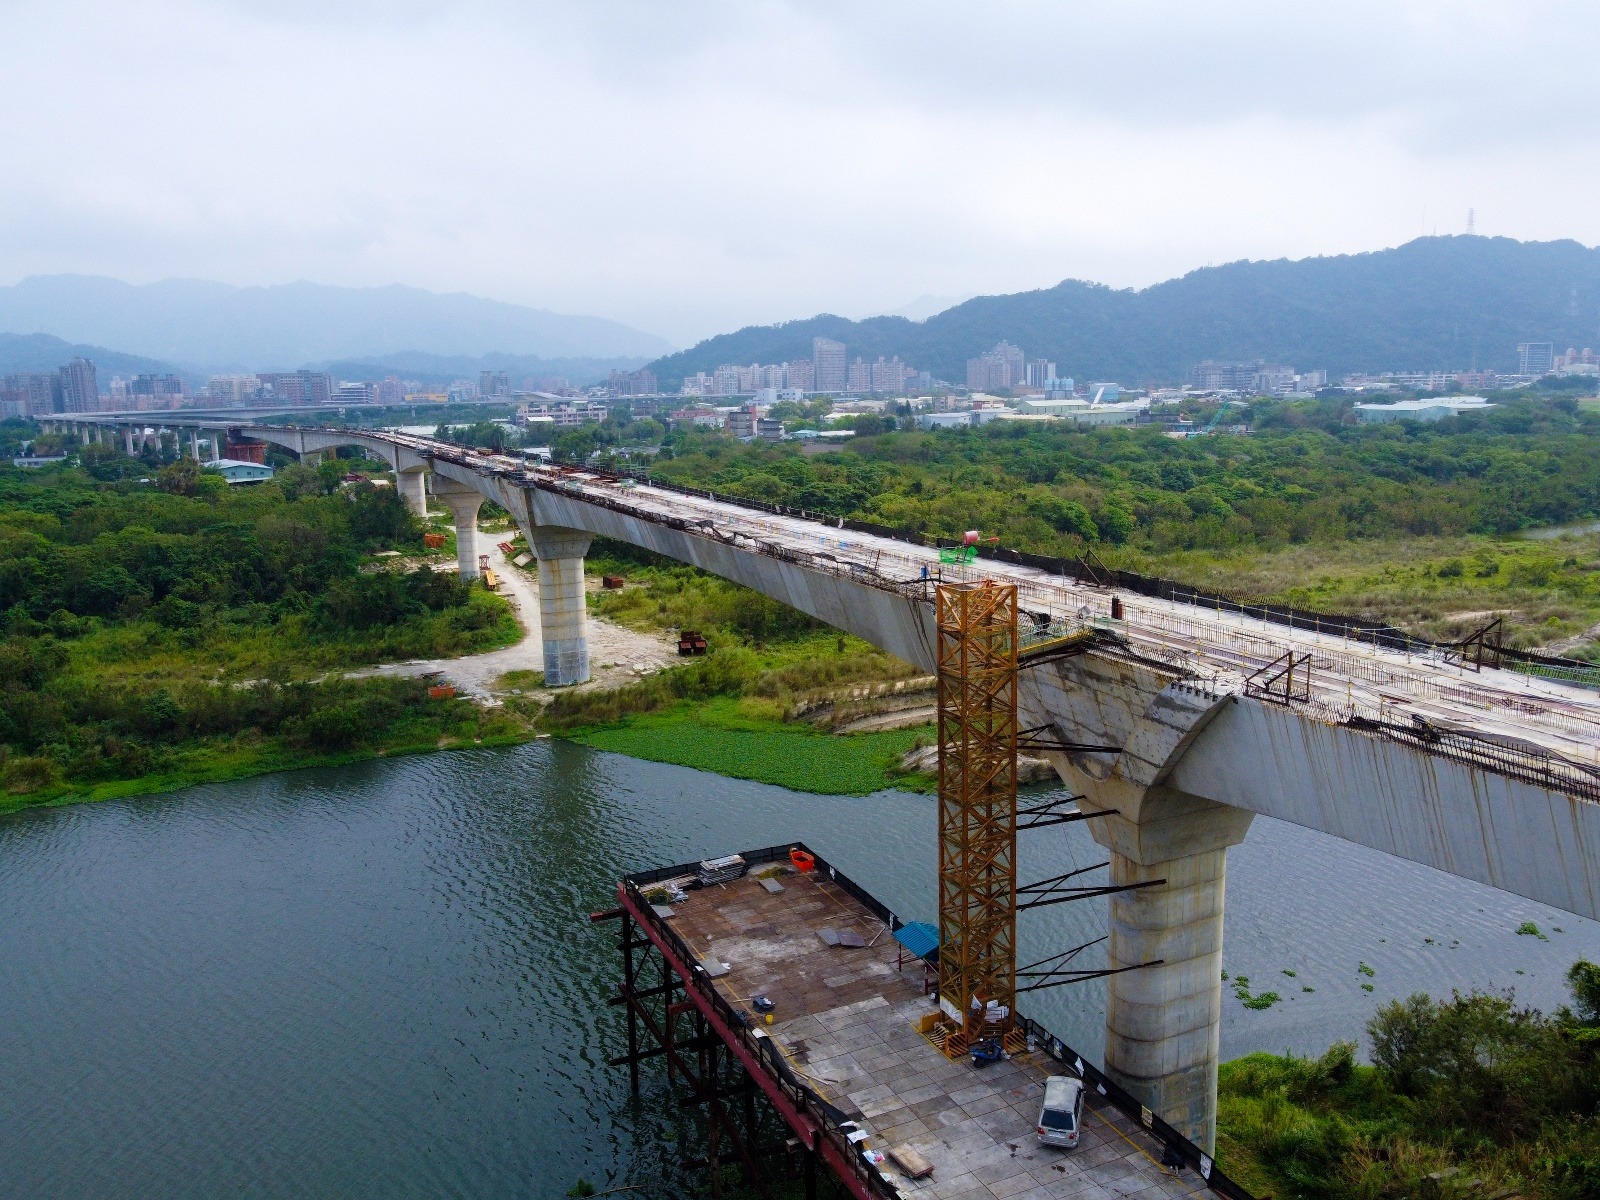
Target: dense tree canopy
<point x="1305" y="475"/>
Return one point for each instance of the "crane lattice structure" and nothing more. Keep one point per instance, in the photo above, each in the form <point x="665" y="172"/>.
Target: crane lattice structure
<point x="977" y="674"/>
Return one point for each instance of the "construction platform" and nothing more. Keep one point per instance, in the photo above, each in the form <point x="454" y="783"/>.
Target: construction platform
<point x="841" y="1056"/>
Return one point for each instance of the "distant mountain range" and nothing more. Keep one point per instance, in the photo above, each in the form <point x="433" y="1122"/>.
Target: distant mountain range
<point x="1434" y="303"/>
<point x="215" y="326"/>
<point x="441" y="368"/>
<point x="41" y="352"/>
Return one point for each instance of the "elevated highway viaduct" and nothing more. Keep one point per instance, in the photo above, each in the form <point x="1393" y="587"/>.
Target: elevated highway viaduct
<point x="1489" y="774"/>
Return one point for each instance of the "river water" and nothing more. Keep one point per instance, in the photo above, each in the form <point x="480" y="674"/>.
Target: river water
<point x="380" y="980"/>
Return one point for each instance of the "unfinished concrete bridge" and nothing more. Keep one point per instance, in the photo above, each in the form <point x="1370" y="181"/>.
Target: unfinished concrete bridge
<point x="1181" y="721"/>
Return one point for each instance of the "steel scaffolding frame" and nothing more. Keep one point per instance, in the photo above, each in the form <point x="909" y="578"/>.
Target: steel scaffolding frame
<point x="977" y="698"/>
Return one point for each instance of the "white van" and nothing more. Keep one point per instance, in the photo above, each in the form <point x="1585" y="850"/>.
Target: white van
<point x="1061" y="1115"/>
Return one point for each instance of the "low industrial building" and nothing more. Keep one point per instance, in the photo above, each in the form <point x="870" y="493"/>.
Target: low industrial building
<point x="235" y="470"/>
<point x="944" y="420"/>
<point x="1056" y="406"/>
<point x="1420" y="410"/>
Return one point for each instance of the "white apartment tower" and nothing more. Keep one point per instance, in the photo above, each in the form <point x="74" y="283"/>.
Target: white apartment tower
<point x="829" y="366"/>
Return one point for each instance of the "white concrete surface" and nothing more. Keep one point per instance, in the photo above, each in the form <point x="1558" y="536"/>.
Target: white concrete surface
<point x="563" y="617"/>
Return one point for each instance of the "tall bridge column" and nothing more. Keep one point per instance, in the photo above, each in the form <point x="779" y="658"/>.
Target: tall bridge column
<point x="1164" y="1013"/>
<point x="1163" y="1022"/>
<point x="194" y="444"/>
<point x="463" y="503"/>
<point x="563" y="619"/>
<point x="413" y="488"/>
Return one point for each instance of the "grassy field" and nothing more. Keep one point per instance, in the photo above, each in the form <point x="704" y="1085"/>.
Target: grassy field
<point x="721" y="735"/>
<point x="1439" y="587"/>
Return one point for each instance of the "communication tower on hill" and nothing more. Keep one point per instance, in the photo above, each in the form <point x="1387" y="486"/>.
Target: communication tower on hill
<point x="1472" y="222"/>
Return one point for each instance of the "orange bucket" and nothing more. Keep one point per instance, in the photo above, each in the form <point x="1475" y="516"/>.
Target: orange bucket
<point x="802" y="861"/>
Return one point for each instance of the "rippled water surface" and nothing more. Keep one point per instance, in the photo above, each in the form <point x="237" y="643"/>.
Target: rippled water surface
<point x="380" y="980"/>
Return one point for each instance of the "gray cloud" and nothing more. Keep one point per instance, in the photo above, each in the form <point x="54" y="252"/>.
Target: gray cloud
<point x="692" y="166"/>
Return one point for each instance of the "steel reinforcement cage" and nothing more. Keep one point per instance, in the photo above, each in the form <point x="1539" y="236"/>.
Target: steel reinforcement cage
<point x="829" y="1117"/>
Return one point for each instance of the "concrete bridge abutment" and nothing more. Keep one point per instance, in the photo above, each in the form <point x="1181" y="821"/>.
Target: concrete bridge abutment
<point x="563" y="616"/>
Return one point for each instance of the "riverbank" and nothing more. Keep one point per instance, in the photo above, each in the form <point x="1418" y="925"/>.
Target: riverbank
<point x="1472" y="1096"/>
<point x="719" y="736"/>
<point x="445" y="724"/>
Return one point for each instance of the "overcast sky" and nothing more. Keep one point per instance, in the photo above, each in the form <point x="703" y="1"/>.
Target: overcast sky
<point x="692" y="167"/>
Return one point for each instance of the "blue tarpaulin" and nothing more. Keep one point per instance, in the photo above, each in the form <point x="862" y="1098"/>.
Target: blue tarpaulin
<point x="919" y="937"/>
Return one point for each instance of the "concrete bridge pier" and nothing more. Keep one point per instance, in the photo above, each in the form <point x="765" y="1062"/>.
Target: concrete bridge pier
<point x="563" y="617"/>
<point x="413" y="488"/>
<point x="194" y="444"/>
<point x="463" y="503"/>
<point x="127" y="439"/>
<point x="1163" y="1023"/>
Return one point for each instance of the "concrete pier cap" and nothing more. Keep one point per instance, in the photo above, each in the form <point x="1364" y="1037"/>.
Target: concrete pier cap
<point x="563" y="618"/>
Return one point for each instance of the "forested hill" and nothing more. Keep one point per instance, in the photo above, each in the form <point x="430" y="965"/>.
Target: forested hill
<point x="41" y="352"/>
<point x="1437" y="302"/>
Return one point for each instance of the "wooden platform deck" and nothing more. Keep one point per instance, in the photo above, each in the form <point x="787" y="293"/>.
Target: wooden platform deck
<point x="846" y="1019"/>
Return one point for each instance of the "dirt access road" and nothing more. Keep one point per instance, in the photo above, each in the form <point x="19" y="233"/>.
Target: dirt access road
<point x="616" y="655"/>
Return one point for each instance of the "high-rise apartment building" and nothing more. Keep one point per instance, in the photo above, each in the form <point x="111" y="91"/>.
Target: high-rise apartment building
<point x="859" y="377"/>
<point x="829" y="365"/>
<point x="299" y="387"/>
<point x="156" y="391"/>
<point x="1226" y="376"/>
<point x="1535" y="358"/>
<point x="80" y="390"/>
<point x="1003" y="367"/>
<point x="493" y="384"/>
<point x="1040" y="373"/>
<point x="232" y="389"/>
<point x="35" y="393"/>
<point x="31" y="394"/>
<point x="889" y="376"/>
<point x="633" y="383"/>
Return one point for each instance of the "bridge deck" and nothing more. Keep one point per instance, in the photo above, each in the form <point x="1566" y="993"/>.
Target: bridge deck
<point x="1218" y="647"/>
<point x="845" y="1020"/>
